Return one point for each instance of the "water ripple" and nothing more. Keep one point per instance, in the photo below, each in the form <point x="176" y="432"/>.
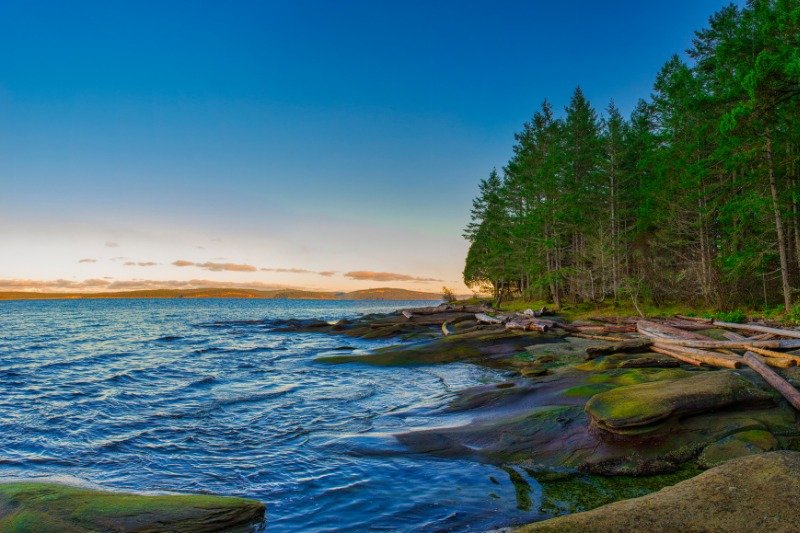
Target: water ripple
<point x="199" y="395"/>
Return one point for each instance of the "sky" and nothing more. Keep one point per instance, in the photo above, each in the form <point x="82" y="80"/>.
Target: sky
<point x="331" y="145"/>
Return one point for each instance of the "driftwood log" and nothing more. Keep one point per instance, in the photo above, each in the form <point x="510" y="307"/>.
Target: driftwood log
<point x="761" y="329"/>
<point x="704" y="356"/>
<point x="654" y="329"/>
<point x="774" y="379"/>
<point x="676" y="355"/>
<point x="733" y="344"/>
<point x="486" y="319"/>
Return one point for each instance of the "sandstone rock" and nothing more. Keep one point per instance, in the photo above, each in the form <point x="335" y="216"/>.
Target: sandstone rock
<point x="752" y="493"/>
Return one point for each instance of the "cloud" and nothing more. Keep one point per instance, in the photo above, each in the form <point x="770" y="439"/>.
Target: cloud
<point x="87" y="260"/>
<point x="216" y="267"/>
<point x="111" y="244"/>
<point x="51" y="285"/>
<point x="384" y="276"/>
<point x="100" y="285"/>
<point x="140" y="263"/>
<point x="326" y="273"/>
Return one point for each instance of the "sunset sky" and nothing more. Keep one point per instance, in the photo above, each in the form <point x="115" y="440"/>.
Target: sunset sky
<point x="324" y="145"/>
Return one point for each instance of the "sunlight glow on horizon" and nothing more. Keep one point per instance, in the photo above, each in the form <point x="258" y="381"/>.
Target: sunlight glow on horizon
<point x="320" y="146"/>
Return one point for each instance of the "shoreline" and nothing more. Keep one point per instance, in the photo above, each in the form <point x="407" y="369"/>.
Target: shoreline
<point x="592" y="415"/>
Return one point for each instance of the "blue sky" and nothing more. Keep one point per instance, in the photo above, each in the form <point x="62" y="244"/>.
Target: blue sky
<point x="344" y="137"/>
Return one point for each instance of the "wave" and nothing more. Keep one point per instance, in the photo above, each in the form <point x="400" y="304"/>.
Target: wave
<point x="257" y="396"/>
<point x="169" y="338"/>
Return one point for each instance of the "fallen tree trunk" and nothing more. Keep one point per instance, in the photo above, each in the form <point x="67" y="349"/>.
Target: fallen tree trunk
<point x="771" y="361"/>
<point x="528" y="325"/>
<point x="675" y="355"/>
<point x="761" y="329"/>
<point x="602" y="330"/>
<point x="712" y="344"/>
<point x="597" y="337"/>
<point x="686" y="324"/>
<point x="774" y="379"/>
<point x="613" y="319"/>
<point x="486" y="319"/>
<point x="795" y="359"/>
<point x="710" y="358"/>
<point x="667" y="331"/>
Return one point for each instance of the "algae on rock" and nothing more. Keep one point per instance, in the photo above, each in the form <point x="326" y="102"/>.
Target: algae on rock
<point x="50" y="507"/>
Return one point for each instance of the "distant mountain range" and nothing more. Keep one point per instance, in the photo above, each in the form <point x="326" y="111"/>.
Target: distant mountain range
<point x="383" y="293"/>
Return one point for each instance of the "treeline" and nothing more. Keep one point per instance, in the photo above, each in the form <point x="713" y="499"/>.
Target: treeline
<point x="694" y="198"/>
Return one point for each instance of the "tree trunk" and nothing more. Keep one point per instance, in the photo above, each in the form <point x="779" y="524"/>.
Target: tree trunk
<point x="773" y="188"/>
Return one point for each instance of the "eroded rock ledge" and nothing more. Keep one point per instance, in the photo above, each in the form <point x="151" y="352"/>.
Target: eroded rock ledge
<point x="50" y="507"/>
<point x="753" y="493"/>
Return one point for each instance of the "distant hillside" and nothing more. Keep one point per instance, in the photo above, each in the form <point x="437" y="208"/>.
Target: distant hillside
<point x="211" y="292"/>
<point x="387" y="293"/>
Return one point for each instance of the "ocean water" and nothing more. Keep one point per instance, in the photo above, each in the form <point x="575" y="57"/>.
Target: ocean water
<point x="199" y="396"/>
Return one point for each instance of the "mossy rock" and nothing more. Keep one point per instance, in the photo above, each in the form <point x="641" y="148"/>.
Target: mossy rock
<point x="588" y="390"/>
<point x="491" y="347"/>
<point x="737" y="445"/>
<point x="752" y="493"/>
<point x="636" y="376"/>
<point x="572" y="494"/>
<point x="49" y="507"/>
<point x="643" y="408"/>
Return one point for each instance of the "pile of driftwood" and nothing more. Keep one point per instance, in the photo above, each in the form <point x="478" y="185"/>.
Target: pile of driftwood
<point x="678" y="338"/>
<point x="757" y="346"/>
<point x="759" y="351"/>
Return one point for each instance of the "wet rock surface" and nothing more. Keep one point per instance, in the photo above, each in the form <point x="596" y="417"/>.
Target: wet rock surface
<point x="590" y="420"/>
<point x="50" y="507"/>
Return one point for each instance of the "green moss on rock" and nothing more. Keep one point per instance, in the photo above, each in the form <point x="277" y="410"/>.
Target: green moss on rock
<point x="50" y="507"/>
<point x="737" y="445"/>
<point x="750" y="493"/>
<point x="645" y="406"/>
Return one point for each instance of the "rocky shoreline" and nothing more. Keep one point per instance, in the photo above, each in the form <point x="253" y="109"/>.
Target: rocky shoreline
<point x="596" y="412"/>
<point x="611" y="424"/>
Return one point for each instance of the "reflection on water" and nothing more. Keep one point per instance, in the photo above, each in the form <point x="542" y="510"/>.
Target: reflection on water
<point x="198" y="396"/>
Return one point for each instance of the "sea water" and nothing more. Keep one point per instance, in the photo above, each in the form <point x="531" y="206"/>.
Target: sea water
<point x="185" y="395"/>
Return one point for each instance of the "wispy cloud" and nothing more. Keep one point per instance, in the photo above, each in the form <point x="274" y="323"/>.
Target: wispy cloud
<point x="369" y="275"/>
<point x="87" y="260"/>
<point x="111" y="244"/>
<point x="325" y="273"/>
<point x="288" y="270"/>
<point x="140" y="263"/>
<point x="216" y="267"/>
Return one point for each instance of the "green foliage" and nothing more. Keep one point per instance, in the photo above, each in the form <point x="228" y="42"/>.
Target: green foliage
<point x="736" y="316"/>
<point x="448" y="295"/>
<point x="684" y="201"/>
<point x="794" y="314"/>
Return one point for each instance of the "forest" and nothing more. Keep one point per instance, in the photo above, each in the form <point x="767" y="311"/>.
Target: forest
<point x="693" y="198"/>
